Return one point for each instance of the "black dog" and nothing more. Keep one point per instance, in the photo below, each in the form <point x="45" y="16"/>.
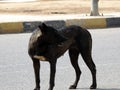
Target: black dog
<point x="48" y="44"/>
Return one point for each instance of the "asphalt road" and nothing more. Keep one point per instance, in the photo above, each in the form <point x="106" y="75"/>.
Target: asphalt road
<point x="16" y="72"/>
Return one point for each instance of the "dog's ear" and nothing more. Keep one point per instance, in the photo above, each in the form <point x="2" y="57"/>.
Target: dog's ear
<point x="43" y="27"/>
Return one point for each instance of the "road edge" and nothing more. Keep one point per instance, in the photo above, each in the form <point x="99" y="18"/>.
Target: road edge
<point x="89" y="23"/>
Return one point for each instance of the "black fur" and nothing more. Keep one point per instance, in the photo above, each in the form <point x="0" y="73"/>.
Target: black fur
<point x="53" y="43"/>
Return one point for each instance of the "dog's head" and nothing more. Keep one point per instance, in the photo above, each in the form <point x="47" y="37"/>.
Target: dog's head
<point x="50" y="35"/>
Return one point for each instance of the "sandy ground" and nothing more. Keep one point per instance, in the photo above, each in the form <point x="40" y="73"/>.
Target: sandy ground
<point x="58" y="7"/>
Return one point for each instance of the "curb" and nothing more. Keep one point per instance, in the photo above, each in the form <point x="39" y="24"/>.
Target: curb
<point x="89" y="23"/>
<point x="12" y="27"/>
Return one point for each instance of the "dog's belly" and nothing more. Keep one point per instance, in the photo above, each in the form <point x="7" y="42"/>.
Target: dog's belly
<point x="61" y="49"/>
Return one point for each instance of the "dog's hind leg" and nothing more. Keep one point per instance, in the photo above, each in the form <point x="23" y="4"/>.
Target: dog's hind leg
<point x="73" y="53"/>
<point x="86" y="54"/>
<point x="36" y="66"/>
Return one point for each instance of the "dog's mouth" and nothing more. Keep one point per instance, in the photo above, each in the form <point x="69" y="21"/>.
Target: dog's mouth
<point x="42" y="58"/>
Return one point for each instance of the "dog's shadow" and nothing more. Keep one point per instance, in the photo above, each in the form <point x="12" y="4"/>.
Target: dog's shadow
<point x="97" y="89"/>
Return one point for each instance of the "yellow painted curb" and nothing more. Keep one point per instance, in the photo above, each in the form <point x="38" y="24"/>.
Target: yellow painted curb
<point x="14" y="27"/>
<point x="95" y="23"/>
<point x="88" y="23"/>
<point x="79" y="22"/>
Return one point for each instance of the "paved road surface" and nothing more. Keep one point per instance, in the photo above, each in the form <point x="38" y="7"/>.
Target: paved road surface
<point x="16" y="72"/>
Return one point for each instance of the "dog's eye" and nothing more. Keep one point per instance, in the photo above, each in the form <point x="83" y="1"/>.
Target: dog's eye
<point x="60" y="44"/>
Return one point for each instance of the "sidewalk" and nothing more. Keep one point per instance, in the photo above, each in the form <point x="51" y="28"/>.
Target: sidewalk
<point x="16" y="0"/>
<point x="26" y="23"/>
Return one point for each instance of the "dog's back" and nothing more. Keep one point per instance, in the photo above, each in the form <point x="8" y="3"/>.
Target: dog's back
<point x="74" y="31"/>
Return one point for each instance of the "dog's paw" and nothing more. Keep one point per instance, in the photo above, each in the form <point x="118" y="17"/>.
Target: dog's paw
<point x="37" y="89"/>
<point x="93" y="87"/>
<point x="72" y="87"/>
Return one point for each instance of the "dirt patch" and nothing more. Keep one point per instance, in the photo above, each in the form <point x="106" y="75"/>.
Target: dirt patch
<point x="58" y="7"/>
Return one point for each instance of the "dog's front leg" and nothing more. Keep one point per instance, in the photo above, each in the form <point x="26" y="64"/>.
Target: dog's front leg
<point x="52" y="74"/>
<point x="36" y="66"/>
